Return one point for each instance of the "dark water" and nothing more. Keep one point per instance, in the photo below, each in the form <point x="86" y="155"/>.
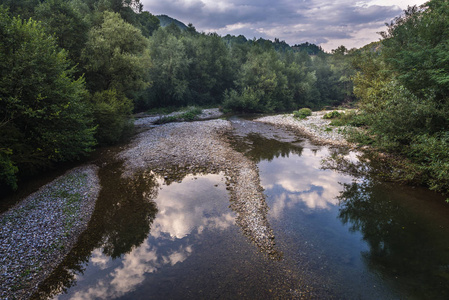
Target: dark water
<point x="342" y="237"/>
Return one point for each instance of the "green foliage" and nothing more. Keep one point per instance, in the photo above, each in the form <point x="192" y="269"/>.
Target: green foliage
<point x="166" y="21"/>
<point x="67" y="25"/>
<point x="310" y="49"/>
<point x="416" y="48"/>
<point x="349" y="118"/>
<point x="116" y="56"/>
<point x="43" y="110"/>
<point x="111" y="111"/>
<point x="7" y="169"/>
<point x="302" y="113"/>
<point x="332" y="115"/>
<point x="403" y="86"/>
<point x="432" y="155"/>
<point x="269" y="82"/>
<point x="21" y="8"/>
<point x="247" y="101"/>
<point x="188" y="69"/>
<point x="168" y="73"/>
<point x="147" y="23"/>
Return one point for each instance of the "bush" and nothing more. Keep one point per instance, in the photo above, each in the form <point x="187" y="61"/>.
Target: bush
<point x="192" y="113"/>
<point x="302" y="113"/>
<point x="332" y="115"/>
<point x="247" y="101"/>
<point x="350" y="118"/>
<point x="430" y="151"/>
<point x="112" y="112"/>
<point x="7" y="169"/>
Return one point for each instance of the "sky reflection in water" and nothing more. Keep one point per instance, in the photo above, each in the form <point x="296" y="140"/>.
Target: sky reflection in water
<point x="184" y="209"/>
<point x="365" y="239"/>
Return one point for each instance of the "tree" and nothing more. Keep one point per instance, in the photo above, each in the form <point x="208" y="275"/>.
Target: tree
<point x="21" y="8"/>
<point x="147" y="23"/>
<point x="210" y="71"/>
<point x="416" y="48"/>
<point x="116" y="57"/>
<point x="43" y="109"/>
<point x="111" y="111"/>
<point x="169" y="70"/>
<point x="67" y="25"/>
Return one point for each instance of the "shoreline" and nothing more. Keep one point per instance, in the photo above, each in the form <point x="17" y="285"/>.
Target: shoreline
<point x="313" y="127"/>
<point x="38" y="232"/>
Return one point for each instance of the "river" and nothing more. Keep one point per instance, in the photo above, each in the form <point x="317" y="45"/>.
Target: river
<point x="337" y="235"/>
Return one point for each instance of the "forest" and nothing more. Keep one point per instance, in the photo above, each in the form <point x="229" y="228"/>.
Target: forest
<point x="73" y="73"/>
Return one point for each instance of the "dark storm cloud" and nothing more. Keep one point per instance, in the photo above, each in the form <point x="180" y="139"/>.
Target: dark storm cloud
<point x="318" y="21"/>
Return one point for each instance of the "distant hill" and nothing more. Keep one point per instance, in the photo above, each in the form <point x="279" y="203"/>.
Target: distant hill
<point x="373" y="47"/>
<point x="166" y="20"/>
<point x="311" y="49"/>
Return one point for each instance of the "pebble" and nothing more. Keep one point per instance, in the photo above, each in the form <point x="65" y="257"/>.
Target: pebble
<point x="38" y="232"/>
<point x="315" y="127"/>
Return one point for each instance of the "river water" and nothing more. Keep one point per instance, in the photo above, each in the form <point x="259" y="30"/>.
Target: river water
<point x="339" y="236"/>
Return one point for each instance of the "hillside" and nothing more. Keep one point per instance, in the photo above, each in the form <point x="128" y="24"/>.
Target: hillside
<point x="166" y="20"/>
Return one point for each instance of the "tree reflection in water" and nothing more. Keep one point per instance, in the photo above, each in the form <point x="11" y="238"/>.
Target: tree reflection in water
<point x="410" y="251"/>
<point x="122" y="220"/>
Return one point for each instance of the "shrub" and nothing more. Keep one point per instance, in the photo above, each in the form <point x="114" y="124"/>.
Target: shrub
<point x="112" y="112"/>
<point x="332" y="115"/>
<point x="350" y="118"/>
<point x="247" y="101"/>
<point x="430" y="151"/>
<point x="302" y="113"/>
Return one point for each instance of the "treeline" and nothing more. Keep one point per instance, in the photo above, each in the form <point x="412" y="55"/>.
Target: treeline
<point x="72" y="73"/>
<point x="191" y="68"/>
<point x="402" y="84"/>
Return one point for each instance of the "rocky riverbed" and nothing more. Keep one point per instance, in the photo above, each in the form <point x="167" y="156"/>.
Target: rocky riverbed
<point x="314" y="127"/>
<point x="37" y="233"/>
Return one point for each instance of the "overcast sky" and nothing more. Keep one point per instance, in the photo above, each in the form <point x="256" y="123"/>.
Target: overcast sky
<point x="328" y="23"/>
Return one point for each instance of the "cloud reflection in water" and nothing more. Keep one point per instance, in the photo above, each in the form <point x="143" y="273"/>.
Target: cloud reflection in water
<point x="296" y="179"/>
<point x="185" y="210"/>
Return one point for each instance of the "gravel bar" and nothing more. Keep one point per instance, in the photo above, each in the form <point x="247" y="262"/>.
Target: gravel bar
<point x="38" y="232"/>
<point x="314" y="127"/>
<point x="203" y="147"/>
<point x="148" y="120"/>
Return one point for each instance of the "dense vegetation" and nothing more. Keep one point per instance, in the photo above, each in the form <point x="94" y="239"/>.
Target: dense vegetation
<point x="402" y="84"/>
<point x="72" y="72"/>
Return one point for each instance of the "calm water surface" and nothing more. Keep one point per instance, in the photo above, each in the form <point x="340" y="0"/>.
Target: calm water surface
<point x="341" y="237"/>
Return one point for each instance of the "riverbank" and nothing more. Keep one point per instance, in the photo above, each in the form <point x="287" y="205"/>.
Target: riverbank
<point x="314" y="127"/>
<point x="39" y="231"/>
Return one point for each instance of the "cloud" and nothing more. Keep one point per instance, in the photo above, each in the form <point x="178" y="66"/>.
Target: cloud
<point x="323" y="22"/>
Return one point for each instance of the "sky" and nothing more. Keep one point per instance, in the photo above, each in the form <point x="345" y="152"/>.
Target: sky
<point x="327" y="23"/>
